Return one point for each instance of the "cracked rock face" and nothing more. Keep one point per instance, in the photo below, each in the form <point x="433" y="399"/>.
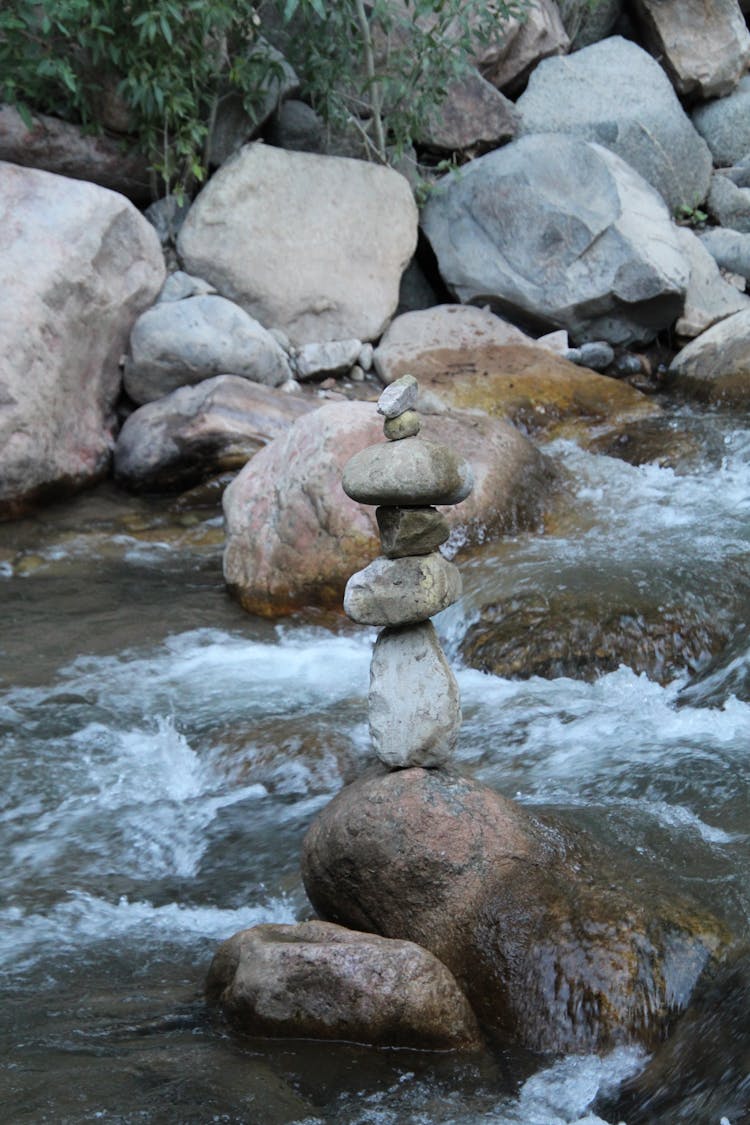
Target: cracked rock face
<point x="561" y="233"/>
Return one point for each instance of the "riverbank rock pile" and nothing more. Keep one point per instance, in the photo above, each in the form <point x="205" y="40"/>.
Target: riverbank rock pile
<point x="414" y="707"/>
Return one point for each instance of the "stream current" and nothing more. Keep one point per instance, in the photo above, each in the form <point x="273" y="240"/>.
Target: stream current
<point x="162" y="754"/>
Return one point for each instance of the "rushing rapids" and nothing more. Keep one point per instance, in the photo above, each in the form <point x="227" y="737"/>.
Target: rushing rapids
<point x="163" y="754"/>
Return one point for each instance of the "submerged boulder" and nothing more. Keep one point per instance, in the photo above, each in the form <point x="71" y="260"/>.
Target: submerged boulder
<point x="549" y="950"/>
<point x="79" y="264"/>
<point x="312" y="245"/>
<point x="561" y="233"/>
<point x="314" y="980"/>
<point x="294" y="537"/>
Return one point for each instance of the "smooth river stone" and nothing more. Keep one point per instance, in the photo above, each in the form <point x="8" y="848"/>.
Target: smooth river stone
<point x="412" y="472"/>
<point x="406" y="425"/>
<point x="401" y="591"/>
<point x="414" y="704"/>
<point x="410" y="531"/>
<point x="400" y="396"/>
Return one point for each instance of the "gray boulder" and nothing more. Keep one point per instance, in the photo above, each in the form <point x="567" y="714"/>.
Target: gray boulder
<point x="313" y="245"/>
<point x="587" y="23"/>
<point x="709" y="297"/>
<point x="297" y="126"/>
<point x="729" y="204"/>
<point x="729" y="248"/>
<point x="177" y="343"/>
<point x="704" y="47"/>
<point x="200" y="431"/>
<point x="79" y="264"/>
<point x="559" y="232"/>
<point x="315" y="980"/>
<point x="413" y="706"/>
<point x="725" y="124"/>
<point x="180" y="285"/>
<point x="615" y="94"/>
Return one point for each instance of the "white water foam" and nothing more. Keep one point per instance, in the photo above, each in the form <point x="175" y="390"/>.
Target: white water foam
<point x="82" y="920"/>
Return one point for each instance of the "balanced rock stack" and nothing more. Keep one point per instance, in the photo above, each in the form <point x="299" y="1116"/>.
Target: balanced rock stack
<point x="414" y="706"/>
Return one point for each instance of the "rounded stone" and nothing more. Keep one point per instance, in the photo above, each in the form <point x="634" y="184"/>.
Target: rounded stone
<point x="410" y="472"/>
<point x="414" y="703"/>
<point x="410" y="531"/>
<point x="401" y="591"/>
<point x="405" y="425"/>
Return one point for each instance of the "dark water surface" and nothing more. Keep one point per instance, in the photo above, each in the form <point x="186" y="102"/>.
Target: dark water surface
<point x="162" y="754"/>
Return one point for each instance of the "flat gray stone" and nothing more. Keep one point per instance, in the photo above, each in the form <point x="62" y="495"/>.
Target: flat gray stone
<point x="410" y="531"/>
<point x="405" y="425"/>
<point x="412" y="472"/>
<point x="402" y="591"/>
<point x="414" y="702"/>
<point x="399" y="397"/>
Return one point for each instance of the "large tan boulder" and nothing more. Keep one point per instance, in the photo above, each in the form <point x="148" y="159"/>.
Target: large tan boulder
<point x="312" y="245"/>
<point x="79" y="264"/>
<point x="315" y="980"/>
<point x="411" y="338"/>
<point x="538" y="33"/>
<point x="549" y="947"/>
<point x="705" y="48"/>
<point x="294" y="537"/>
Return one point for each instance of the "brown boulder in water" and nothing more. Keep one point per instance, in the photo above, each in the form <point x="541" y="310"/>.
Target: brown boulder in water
<point x="549" y="951"/>
<point x="314" y="980"/>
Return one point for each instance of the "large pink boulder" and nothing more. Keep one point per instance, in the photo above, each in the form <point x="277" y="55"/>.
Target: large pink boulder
<point x="79" y="264"/>
<point x="294" y="537"/>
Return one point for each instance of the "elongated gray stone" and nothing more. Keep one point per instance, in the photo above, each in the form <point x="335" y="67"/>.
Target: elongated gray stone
<point x="401" y="591"/>
<point x="411" y="472"/>
<point x="410" y="531"/>
<point x="415" y="709"/>
<point x="398" y="397"/>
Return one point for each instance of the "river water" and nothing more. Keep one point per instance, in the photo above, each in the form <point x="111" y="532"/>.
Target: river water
<point x="163" y="754"/>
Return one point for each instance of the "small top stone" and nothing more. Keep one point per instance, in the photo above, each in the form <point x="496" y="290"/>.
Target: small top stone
<point x="398" y="397"/>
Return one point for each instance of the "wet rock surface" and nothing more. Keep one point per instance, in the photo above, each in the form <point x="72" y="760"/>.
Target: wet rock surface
<point x="549" y="950"/>
<point x="320" y="981"/>
<point x="564" y="633"/>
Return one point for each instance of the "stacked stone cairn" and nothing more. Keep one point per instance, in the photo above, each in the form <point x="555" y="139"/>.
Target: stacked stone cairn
<point x="414" y="704"/>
